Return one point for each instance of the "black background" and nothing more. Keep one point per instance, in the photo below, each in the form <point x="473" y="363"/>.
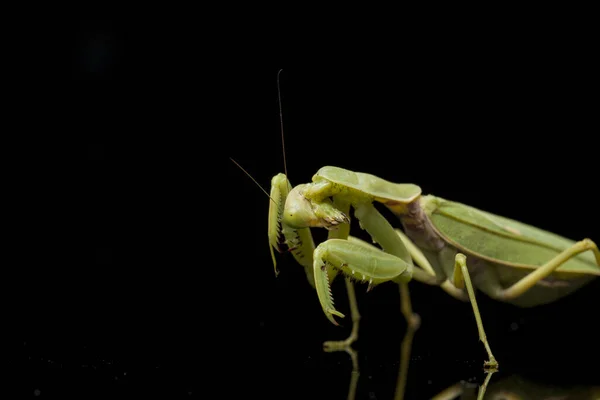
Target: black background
<point x="153" y="276"/>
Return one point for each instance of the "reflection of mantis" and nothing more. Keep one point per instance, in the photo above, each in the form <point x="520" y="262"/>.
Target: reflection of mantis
<point x="518" y="388"/>
<point x="406" y="346"/>
<point x="513" y="387"/>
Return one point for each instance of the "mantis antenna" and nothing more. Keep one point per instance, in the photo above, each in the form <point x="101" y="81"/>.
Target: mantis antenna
<point x="281" y="123"/>
<point x="250" y="176"/>
<point x="282" y="144"/>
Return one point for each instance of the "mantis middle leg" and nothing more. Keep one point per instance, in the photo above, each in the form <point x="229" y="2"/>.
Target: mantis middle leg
<point x="420" y="259"/>
<point x="331" y="345"/>
<point x="342" y="232"/>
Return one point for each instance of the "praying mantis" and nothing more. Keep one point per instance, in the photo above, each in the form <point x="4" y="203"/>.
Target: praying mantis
<point x="453" y="245"/>
<point x="442" y="242"/>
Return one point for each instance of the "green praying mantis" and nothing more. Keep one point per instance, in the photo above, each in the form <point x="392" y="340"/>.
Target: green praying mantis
<point x="444" y="243"/>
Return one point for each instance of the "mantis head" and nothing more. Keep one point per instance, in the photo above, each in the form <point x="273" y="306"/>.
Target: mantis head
<point x="291" y="211"/>
<point x="303" y="212"/>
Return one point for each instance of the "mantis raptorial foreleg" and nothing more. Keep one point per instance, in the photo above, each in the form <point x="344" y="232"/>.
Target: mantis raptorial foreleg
<point x="299" y="240"/>
<point x="342" y="232"/>
<point x="301" y="244"/>
<point x="367" y="261"/>
<point x="531" y="279"/>
<point x="461" y="278"/>
<point x="362" y="262"/>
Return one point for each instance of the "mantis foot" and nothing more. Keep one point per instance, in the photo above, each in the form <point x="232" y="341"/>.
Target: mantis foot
<point x="491" y="365"/>
<point x="331" y="346"/>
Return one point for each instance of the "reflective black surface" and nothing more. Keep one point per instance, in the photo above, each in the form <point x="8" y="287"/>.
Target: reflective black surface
<point x="151" y="274"/>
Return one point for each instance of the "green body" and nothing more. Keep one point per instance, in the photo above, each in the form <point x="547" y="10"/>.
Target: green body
<point x="501" y="251"/>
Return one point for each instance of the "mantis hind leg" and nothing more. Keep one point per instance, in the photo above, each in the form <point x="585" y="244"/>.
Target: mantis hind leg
<point x="461" y="279"/>
<point x="530" y="280"/>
